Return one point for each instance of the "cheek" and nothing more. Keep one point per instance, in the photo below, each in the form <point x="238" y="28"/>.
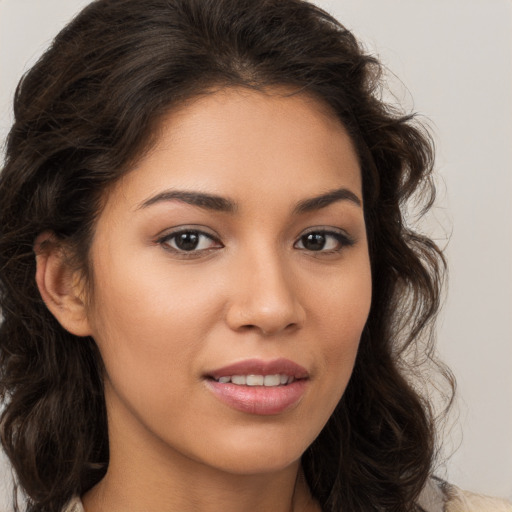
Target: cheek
<point x="340" y="316"/>
<point x="150" y="331"/>
<point x="149" y="323"/>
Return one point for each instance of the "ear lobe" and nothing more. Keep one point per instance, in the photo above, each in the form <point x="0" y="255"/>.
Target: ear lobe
<point x="59" y="286"/>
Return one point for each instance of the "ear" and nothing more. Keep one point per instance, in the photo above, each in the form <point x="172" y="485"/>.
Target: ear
<point x="60" y="287"/>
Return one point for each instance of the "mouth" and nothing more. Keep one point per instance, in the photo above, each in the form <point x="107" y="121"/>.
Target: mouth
<point x="269" y="381"/>
<point x="259" y="387"/>
<point x="257" y="372"/>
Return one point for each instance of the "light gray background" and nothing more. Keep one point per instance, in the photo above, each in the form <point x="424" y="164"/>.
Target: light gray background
<point x="455" y="58"/>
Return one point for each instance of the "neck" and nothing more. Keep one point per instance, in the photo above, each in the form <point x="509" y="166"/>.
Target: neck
<point x="205" y="491"/>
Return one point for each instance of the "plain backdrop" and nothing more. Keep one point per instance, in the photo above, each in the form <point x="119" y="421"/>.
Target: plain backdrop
<point x="451" y="60"/>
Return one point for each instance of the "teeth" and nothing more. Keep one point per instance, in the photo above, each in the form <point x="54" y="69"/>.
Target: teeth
<point x="238" y="379"/>
<point x="257" y="380"/>
<point x="254" y="380"/>
<point x="271" y="380"/>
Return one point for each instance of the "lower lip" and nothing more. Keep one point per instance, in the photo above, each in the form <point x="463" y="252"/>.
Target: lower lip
<point x="262" y="400"/>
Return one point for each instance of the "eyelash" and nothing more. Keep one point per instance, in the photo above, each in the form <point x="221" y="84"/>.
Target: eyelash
<point x="342" y="241"/>
<point x="165" y="241"/>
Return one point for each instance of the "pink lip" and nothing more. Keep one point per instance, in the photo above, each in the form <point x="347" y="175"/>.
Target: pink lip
<point x="259" y="400"/>
<point x="259" y="367"/>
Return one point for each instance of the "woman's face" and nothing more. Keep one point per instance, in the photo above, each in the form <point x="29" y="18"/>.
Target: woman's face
<point x="231" y="284"/>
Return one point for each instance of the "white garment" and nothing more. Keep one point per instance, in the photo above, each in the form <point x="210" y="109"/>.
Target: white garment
<point x="438" y="496"/>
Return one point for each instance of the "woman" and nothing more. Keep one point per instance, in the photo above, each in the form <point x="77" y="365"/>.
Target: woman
<point x="225" y="290"/>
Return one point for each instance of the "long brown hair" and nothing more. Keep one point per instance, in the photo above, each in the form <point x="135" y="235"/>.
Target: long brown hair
<point x="86" y="111"/>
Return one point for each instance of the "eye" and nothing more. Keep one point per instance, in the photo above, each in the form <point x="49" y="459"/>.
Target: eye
<point x="189" y="240"/>
<point x="323" y="241"/>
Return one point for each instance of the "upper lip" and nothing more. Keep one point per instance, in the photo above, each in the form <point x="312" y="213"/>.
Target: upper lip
<point x="260" y="367"/>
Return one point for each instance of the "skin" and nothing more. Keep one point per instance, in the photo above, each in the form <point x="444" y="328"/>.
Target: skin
<point x="163" y="318"/>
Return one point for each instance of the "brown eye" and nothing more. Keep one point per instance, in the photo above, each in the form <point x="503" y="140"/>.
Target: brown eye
<point x="189" y="241"/>
<point x="323" y="241"/>
<point x="313" y="241"/>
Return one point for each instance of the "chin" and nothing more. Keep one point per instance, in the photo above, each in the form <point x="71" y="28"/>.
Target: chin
<point x="267" y="454"/>
<point x="259" y="464"/>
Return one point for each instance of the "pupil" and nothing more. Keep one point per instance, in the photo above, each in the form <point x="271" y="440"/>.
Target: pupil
<point x="187" y="241"/>
<point x="314" y="241"/>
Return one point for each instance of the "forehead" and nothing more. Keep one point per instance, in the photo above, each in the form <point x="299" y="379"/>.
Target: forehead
<point x="237" y="142"/>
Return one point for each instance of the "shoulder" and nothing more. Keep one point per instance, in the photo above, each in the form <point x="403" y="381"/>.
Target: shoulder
<point x="439" y="496"/>
<point x="74" y="505"/>
<point x="465" y="501"/>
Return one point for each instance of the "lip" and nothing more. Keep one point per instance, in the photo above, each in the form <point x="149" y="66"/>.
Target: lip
<point x="260" y="367"/>
<point x="259" y="400"/>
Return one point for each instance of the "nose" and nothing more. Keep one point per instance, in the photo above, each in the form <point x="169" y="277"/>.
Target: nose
<point x="265" y="298"/>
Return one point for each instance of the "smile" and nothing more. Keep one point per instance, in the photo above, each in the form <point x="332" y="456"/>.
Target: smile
<point x="257" y="380"/>
<point x="259" y="387"/>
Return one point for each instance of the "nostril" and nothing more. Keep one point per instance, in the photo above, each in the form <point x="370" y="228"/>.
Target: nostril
<point x="248" y="327"/>
<point x="268" y="330"/>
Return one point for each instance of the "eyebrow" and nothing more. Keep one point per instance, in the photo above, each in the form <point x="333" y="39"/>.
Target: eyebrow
<point x="324" y="200"/>
<point x="206" y="201"/>
<point x="222" y="204"/>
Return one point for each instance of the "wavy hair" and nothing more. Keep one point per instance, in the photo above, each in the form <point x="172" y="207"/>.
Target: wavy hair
<point x="87" y="111"/>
